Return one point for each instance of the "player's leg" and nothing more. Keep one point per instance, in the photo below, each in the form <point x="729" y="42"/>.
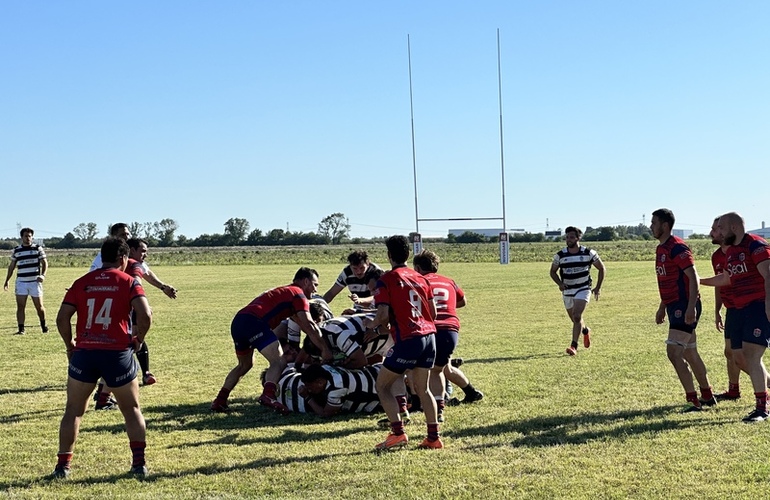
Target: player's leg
<point x="21" y="304"/>
<point x="274" y="356"/>
<point x="675" y="346"/>
<point x="457" y="377"/>
<point x="36" y="292"/>
<point x="127" y="394"/>
<point x="753" y="354"/>
<point x="77" y="402"/>
<point x="698" y="367"/>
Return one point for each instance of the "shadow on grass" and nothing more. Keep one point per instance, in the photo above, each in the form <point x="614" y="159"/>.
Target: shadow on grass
<point x="246" y="414"/>
<point x="524" y="357"/>
<point x="42" y="388"/>
<point x="580" y="429"/>
<point x="207" y="470"/>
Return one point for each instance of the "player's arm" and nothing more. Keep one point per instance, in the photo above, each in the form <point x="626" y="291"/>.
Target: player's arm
<point x="381" y="317"/>
<point x="333" y="292"/>
<point x="143" y="318"/>
<point x="555" y="275"/>
<point x="660" y="315"/>
<point x="692" y="276"/>
<point x="461" y="302"/>
<point x="432" y="310"/>
<point x="357" y="359"/>
<point x="718" y="309"/>
<point x="63" y="324"/>
<point x="307" y="325"/>
<point x="718" y="280"/>
<point x="11" y="267"/>
<point x="323" y="411"/>
<point x="599" y="265"/>
<point x="764" y="269"/>
<point x="43" y="268"/>
<point x="152" y="279"/>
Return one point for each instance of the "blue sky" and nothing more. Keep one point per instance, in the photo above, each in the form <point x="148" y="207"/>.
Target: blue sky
<point x="282" y="113"/>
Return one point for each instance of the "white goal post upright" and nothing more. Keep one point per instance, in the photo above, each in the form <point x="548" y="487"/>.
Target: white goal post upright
<point x="416" y="237"/>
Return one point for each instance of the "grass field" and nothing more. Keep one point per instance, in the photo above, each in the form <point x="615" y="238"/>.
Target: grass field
<point x="604" y="424"/>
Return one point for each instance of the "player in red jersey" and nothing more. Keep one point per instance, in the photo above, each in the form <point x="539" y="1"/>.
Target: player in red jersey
<point x="103" y="347"/>
<point x="252" y="328"/>
<point x="448" y="297"/>
<point x="723" y="297"/>
<point x="747" y="272"/>
<point x="404" y="300"/>
<point x="680" y="299"/>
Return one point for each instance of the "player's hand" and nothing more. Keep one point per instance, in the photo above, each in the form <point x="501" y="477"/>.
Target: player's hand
<point x="5" y="287"/>
<point x="597" y="291"/>
<point x="353" y="297"/>
<point x="660" y="315"/>
<point x="689" y="316"/>
<point x="302" y="391"/>
<point x="327" y="356"/>
<point x="136" y="344"/>
<point x="170" y="291"/>
<point x="718" y="322"/>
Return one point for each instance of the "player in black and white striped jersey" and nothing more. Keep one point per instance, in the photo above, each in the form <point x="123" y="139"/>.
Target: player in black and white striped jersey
<point x="30" y="263"/>
<point x="573" y="264"/>
<point x="352" y="345"/>
<point x="333" y="389"/>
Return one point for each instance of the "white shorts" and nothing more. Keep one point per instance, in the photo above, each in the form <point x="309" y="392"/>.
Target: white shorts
<point x="569" y="300"/>
<point x="31" y="288"/>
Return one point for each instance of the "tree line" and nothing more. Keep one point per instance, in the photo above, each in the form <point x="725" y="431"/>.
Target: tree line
<point x="333" y="229"/>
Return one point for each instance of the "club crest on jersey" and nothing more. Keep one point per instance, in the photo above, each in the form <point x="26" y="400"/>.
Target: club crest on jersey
<point x="663" y="258"/>
<point x="389" y="353"/>
<point x="757" y="332"/>
<point x="742" y="257"/>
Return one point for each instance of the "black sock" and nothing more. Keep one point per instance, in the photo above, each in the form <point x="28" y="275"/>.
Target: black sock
<point x="574" y="345"/>
<point x="143" y="356"/>
<point x="21" y="327"/>
<point x="469" y="389"/>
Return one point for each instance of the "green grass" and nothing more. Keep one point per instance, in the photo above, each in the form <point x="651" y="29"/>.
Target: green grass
<point x="604" y="424"/>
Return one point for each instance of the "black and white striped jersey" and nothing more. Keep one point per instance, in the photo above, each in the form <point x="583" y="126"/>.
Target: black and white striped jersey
<point x="28" y="262"/>
<point x="575" y="268"/>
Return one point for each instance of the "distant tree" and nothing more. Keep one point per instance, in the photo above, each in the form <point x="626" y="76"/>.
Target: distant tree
<point x="335" y="227"/>
<point x="210" y="240"/>
<point x="69" y="241"/>
<point x="164" y="231"/>
<point x="182" y="241"/>
<point x="698" y="236"/>
<point x="527" y="237"/>
<point x="602" y="233"/>
<point x="86" y="231"/>
<point x="471" y="237"/>
<point x="236" y="230"/>
<point x="275" y="237"/>
<point x="255" y="238"/>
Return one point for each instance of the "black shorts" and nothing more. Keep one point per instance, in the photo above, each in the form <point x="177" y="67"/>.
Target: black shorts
<point x="749" y="324"/>
<point x="117" y="368"/>
<point x="446" y="341"/>
<point x="250" y="332"/>
<point x="676" y="312"/>
<point x="417" y="352"/>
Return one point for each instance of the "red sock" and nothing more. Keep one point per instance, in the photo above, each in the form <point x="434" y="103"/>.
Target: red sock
<point x="734" y="389"/>
<point x="64" y="459"/>
<point x="433" y="432"/>
<point x="440" y="404"/>
<point x="269" y="389"/>
<point x="397" y="427"/>
<point x="137" y="450"/>
<point x="706" y="393"/>
<point x="103" y="398"/>
<point x="692" y="397"/>
<point x="761" y="400"/>
<point x="222" y="396"/>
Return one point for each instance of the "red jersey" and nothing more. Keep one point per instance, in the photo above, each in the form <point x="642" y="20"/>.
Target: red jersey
<point x="407" y="294"/>
<point x="719" y="263"/>
<point x="135" y="269"/>
<point x="103" y="301"/>
<point x="747" y="284"/>
<point x="671" y="259"/>
<point x="274" y="306"/>
<point x="445" y="295"/>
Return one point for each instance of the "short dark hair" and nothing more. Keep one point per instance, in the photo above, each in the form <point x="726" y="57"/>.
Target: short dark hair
<point x="398" y="248"/>
<point x="373" y="274"/>
<point x="358" y="257"/>
<point x="665" y="215"/>
<point x="305" y="272"/>
<point x="312" y="373"/>
<point x="573" y="229"/>
<point x="115" y="228"/>
<point x="133" y="243"/>
<point x="427" y="261"/>
<point x="114" y="249"/>
<point x="317" y="311"/>
<point x="26" y="230"/>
